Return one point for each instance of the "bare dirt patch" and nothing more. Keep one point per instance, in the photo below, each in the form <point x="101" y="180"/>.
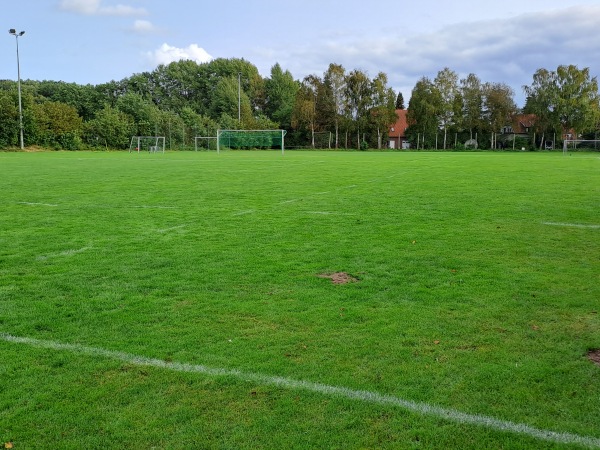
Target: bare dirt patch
<point x="594" y="356"/>
<point x="339" y="277"/>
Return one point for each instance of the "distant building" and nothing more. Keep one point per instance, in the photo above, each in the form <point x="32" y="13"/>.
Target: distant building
<point x="397" y="132"/>
<point x="521" y="126"/>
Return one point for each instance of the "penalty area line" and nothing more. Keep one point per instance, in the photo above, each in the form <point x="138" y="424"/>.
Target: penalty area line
<point x="572" y="225"/>
<point x="424" y="409"/>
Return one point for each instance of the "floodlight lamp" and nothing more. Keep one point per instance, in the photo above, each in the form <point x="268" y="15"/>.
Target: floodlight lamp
<point x="21" y="33"/>
<point x="12" y="31"/>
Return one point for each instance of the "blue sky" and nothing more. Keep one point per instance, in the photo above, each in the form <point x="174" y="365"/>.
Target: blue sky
<point x="96" y="41"/>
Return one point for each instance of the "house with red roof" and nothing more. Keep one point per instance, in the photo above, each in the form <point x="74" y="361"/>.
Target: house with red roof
<point x="397" y="132"/>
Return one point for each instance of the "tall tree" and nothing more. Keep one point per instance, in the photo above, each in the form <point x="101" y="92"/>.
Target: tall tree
<point x="499" y="107"/>
<point x="578" y="100"/>
<point x="280" y="94"/>
<point x="423" y="112"/>
<point x="359" y="100"/>
<point x="446" y="83"/>
<point x="335" y="84"/>
<point x="305" y="106"/>
<point x="566" y="99"/>
<point x="400" y="101"/>
<point x="472" y="95"/>
<point x="229" y="100"/>
<point x="383" y="112"/>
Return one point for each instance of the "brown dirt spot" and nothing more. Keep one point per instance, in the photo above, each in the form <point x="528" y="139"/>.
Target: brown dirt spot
<point x="339" y="277"/>
<point x="594" y="356"/>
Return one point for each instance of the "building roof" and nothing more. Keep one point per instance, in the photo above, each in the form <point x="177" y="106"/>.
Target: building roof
<point x="399" y="128"/>
<point x="523" y="122"/>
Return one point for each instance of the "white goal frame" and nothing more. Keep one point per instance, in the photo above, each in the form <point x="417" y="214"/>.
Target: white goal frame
<point x="574" y="142"/>
<point x="157" y="143"/>
<point x="282" y="133"/>
<point x="208" y="139"/>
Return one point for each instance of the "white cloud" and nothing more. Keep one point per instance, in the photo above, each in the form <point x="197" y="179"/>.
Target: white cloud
<point x="143" y="26"/>
<point x="80" y="6"/>
<point x="166" y="54"/>
<point x="507" y="50"/>
<point x="95" y="7"/>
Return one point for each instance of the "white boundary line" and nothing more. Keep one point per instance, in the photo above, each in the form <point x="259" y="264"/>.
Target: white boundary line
<point x="572" y="225"/>
<point x="63" y="253"/>
<point x="336" y="391"/>
<point x="330" y="213"/>
<point x="36" y="204"/>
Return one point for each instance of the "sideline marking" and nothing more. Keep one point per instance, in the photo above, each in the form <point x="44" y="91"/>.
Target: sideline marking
<point x="572" y="225"/>
<point x="241" y="213"/>
<point x="288" y="383"/>
<point x="330" y="213"/>
<point x="64" y="253"/>
<point x="152" y="207"/>
<point x="36" y="204"/>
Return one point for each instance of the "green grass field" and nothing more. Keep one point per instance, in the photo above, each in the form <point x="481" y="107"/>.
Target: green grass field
<point x="181" y="301"/>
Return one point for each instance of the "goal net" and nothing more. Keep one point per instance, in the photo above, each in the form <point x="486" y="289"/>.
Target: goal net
<point x="323" y="139"/>
<point x="205" y="143"/>
<point x="151" y="144"/>
<point x="251" y="139"/>
<point x="581" y="145"/>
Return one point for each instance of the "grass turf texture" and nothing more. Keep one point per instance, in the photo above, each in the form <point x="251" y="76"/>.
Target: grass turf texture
<point x="478" y="287"/>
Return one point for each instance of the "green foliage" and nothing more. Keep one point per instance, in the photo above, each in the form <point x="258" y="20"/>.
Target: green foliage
<point x="57" y="125"/>
<point x="400" y="101"/>
<point x="564" y="101"/>
<point x="280" y="95"/>
<point x="111" y="128"/>
<point x="9" y="118"/>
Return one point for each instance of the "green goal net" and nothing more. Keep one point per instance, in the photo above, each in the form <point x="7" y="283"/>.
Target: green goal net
<point x="251" y="139"/>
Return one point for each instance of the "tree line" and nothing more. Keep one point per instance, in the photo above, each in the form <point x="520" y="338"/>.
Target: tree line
<point x="562" y="103"/>
<point x="337" y="109"/>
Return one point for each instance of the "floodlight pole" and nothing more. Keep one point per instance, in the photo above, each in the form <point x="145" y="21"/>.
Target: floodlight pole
<point x="240" y="97"/>
<point x="17" y="35"/>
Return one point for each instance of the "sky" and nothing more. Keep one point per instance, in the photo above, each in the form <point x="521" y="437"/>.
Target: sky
<point x="97" y="41"/>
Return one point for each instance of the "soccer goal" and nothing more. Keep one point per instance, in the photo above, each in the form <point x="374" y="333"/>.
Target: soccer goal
<point x="205" y="143"/>
<point x="251" y="139"/>
<point x="574" y="145"/>
<point x="151" y="144"/>
<point x="323" y="139"/>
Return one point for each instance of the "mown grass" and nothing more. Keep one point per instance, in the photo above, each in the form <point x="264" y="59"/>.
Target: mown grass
<point x="470" y="296"/>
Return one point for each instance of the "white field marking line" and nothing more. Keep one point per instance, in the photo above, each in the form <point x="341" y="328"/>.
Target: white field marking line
<point x="176" y="227"/>
<point x="330" y="213"/>
<point x="290" y="201"/>
<point x="64" y="253"/>
<point x="573" y="225"/>
<point x="242" y="213"/>
<point x="425" y="409"/>
<point x="36" y="204"/>
<point x="152" y="207"/>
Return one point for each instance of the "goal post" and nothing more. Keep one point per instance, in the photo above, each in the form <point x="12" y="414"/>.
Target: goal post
<point x="574" y="145"/>
<point x="251" y="139"/>
<point x="151" y="144"/>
